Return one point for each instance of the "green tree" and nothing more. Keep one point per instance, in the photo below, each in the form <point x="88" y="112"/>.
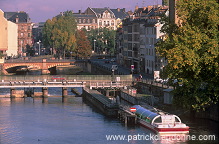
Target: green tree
<point x="105" y="39"/>
<point x="83" y="48"/>
<point x="60" y="33"/>
<point x="192" y="53"/>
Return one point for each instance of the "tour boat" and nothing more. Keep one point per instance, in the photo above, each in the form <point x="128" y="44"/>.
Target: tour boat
<point x="159" y="122"/>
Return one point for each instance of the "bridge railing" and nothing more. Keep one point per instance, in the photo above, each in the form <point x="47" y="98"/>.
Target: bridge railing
<point x="93" y="78"/>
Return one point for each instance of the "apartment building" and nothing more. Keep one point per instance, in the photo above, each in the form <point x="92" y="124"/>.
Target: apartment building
<point x="137" y="38"/>
<point x="94" y="18"/>
<point x="24" y="29"/>
<point x="8" y="37"/>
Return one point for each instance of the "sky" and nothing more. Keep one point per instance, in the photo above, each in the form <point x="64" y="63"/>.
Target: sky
<point x="41" y="10"/>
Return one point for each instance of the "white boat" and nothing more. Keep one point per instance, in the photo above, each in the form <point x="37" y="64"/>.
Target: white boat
<point x="160" y="123"/>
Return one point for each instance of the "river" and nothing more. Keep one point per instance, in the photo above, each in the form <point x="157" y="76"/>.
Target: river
<point x="29" y="121"/>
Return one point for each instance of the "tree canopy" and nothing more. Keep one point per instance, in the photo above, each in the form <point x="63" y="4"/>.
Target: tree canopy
<point x="105" y="39"/>
<point x="192" y="53"/>
<point x="59" y="33"/>
<point x="83" y="48"/>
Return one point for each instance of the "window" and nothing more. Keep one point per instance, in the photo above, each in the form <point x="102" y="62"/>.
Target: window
<point x="29" y="35"/>
<point x="129" y="46"/>
<point x="100" y="22"/>
<point x="22" y="34"/>
<point x="130" y="53"/>
<point x="129" y="37"/>
<point x="147" y="42"/>
<point x="129" y="29"/>
<point x="79" y="20"/>
<point x="88" y="20"/>
<point x="112" y="22"/>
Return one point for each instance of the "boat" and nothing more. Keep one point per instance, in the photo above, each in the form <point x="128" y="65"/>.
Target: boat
<point x="159" y="122"/>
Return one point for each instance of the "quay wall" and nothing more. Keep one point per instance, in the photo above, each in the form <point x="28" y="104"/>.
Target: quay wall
<point x="104" y="104"/>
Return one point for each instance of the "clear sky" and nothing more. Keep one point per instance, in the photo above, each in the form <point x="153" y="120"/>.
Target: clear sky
<point x="41" y="10"/>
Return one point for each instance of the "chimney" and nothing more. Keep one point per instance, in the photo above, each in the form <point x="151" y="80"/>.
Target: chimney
<point x="118" y="9"/>
<point x="79" y="11"/>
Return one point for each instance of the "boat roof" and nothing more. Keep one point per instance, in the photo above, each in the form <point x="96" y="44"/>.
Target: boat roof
<point x="145" y="113"/>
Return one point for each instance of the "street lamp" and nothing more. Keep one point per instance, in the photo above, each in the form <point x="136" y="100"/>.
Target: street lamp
<point x="39" y="46"/>
<point x="94" y="45"/>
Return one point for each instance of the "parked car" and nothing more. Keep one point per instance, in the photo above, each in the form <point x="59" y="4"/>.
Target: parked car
<point x="113" y="60"/>
<point x="158" y="80"/>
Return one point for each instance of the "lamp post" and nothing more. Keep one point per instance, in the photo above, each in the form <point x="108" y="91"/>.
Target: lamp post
<point x="94" y="45"/>
<point x="39" y="46"/>
<point x="71" y="55"/>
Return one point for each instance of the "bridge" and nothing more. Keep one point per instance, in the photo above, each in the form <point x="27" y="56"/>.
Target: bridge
<point x="64" y="82"/>
<point x="44" y="64"/>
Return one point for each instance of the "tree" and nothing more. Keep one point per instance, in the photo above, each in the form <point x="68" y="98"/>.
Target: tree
<point x="60" y="33"/>
<point x="83" y="48"/>
<point x="192" y="53"/>
<point x="105" y="39"/>
<point x="30" y="50"/>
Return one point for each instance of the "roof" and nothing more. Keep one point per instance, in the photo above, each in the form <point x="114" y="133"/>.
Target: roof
<point x="120" y="13"/>
<point x="145" y="114"/>
<point x="23" y="17"/>
<point x="83" y="15"/>
<point x="101" y="10"/>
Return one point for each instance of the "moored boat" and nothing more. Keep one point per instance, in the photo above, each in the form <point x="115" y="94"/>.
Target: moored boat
<point x="160" y="123"/>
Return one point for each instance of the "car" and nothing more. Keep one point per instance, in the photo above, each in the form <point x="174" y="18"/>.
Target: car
<point x="113" y="60"/>
<point x="158" y="80"/>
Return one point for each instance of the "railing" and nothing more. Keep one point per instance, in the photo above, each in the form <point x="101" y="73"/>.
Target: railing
<point x="64" y="83"/>
<point x="93" y="78"/>
<point x="152" y="82"/>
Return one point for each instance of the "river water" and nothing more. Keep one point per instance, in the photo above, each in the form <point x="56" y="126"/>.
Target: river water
<point x="30" y="121"/>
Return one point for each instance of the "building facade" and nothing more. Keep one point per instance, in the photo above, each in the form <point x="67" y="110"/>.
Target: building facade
<point x="94" y="18"/>
<point x="24" y="30"/>
<point x="137" y="38"/>
<point x="12" y="40"/>
<point x="8" y="37"/>
<point x="4" y="33"/>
